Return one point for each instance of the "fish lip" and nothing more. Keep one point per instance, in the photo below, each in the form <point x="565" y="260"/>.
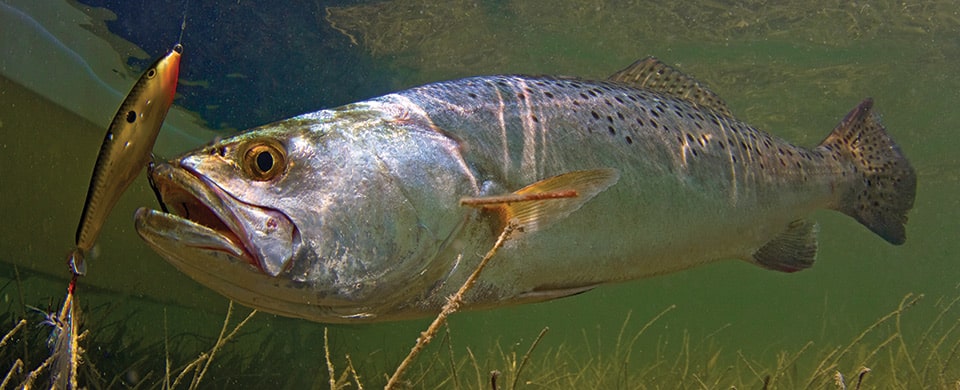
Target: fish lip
<point x="183" y="194"/>
<point x="192" y="198"/>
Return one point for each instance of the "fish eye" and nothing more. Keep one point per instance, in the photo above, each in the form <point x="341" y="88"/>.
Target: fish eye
<point x="151" y="73"/>
<point x="264" y="160"/>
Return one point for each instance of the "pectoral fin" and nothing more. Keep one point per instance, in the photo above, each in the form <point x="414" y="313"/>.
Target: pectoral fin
<point x="792" y="250"/>
<point x="547" y="201"/>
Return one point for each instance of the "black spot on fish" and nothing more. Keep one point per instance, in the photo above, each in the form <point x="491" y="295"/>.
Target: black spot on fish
<point x="472" y="95"/>
<point x="629" y="140"/>
<point x="595" y="115"/>
<point x="619" y="115"/>
<point x="548" y="94"/>
<point x="640" y="121"/>
<point x="131" y="116"/>
<point x="521" y="96"/>
<point x="612" y="130"/>
<point x="609" y="119"/>
<point x="584" y="96"/>
<point x="619" y="100"/>
<point x="534" y="118"/>
<point x="690" y="137"/>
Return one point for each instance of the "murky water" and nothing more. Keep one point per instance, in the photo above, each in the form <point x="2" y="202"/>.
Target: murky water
<point x="789" y="69"/>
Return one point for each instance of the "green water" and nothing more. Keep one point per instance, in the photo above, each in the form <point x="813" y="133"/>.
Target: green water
<point x="792" y="70"/>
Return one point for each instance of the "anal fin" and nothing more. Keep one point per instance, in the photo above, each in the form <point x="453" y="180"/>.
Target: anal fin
<point x="793" y="250"/>
<point x="547" y="201"/>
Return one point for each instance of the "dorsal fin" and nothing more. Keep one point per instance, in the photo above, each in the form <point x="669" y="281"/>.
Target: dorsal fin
<point x="651" y="73"/>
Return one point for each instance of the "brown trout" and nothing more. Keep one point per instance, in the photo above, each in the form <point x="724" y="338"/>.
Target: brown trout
<point x="379" y="210"/>
<point x="126" y="148"/>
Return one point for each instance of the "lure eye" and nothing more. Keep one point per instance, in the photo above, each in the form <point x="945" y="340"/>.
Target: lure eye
<point x="152" y="73"/>
<point x="264" y="160"/>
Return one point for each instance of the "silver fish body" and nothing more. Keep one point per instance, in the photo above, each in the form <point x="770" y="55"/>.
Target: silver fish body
<point x="354" y="214"/>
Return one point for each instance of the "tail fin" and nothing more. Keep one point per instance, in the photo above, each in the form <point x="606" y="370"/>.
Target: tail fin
<point x="884" y="183"/>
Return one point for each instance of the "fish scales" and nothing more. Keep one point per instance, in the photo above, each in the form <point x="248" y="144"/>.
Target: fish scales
<point x="709" y="174"/>
<point x="545" y="122"/>
<point x="379" y="210"/>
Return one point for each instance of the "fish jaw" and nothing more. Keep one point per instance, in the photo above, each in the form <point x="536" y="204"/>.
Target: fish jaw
<point x="198" y="214"/>
<point x="218" y="263"/>
<point x="222" y="264"/>
<point x="174" y="236"/>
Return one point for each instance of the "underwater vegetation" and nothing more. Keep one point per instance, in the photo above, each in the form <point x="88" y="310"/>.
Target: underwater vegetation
<point x="890" y="353"/>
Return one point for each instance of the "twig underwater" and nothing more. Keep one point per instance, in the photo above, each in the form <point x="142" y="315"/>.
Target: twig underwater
<point x="453" y="304"/>
<point x="205" y="358"/>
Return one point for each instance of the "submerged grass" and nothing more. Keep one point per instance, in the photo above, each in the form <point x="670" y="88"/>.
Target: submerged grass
<point x="884" y="355"/>
<point x="901" y="349"/>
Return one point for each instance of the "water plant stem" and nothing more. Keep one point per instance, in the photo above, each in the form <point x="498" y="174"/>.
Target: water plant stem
<point x="453" y="304"/>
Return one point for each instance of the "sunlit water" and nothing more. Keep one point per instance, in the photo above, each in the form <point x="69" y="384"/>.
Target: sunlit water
<point x="792" y="72"/>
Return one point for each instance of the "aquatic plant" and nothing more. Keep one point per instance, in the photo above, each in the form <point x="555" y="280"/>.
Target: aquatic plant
<point x="885" y="353"/>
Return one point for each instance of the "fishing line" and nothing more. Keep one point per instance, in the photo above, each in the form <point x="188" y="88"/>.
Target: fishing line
<point x="183" y="24"/>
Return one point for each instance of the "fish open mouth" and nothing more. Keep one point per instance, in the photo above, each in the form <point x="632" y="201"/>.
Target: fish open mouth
<point x="206" y="217"/>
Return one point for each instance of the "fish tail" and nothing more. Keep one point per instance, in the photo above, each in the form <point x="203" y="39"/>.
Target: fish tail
<point x="883" y="184"/>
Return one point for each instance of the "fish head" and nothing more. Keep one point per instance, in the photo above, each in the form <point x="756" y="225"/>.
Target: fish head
<point x="335" y="216"/>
